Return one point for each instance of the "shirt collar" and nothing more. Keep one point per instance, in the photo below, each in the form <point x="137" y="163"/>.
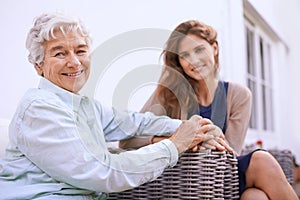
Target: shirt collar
<point x="71" y="99"/>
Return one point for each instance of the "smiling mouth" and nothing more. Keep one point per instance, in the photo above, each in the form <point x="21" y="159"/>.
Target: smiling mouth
<point x="197" y="68"/>
<point x="73" y="75"/>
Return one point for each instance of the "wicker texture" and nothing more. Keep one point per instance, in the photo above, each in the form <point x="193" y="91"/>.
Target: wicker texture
<point x="285" y="159"/>
<point x="210" y="175"/>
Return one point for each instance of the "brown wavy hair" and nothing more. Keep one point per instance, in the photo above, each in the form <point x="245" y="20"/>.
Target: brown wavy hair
<point x="175" y="90"/>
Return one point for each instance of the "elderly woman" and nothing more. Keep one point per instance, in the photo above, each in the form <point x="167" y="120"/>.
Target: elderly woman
<point x="57" y="146"/>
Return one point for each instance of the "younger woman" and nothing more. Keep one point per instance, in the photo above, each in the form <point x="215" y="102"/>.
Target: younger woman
<point x="189" y="85"/>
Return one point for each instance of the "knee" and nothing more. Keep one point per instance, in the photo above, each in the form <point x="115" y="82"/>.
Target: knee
<point x="264" y="160"/>
<point x="254" y="193"/>
<point x="260" y="156"/>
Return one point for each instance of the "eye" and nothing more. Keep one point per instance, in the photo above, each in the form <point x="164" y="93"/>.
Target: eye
<point x="184" y="55"/>
<point x="81" y="52"/>
<point x="59" y="54"/>
<point x="199" y="49"/>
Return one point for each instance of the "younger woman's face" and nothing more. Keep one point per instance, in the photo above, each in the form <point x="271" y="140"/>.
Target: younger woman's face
<point x="196" y="57"/>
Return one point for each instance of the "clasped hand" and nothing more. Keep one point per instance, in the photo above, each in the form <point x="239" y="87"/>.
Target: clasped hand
<point x="198" y="133"/>
<point x="217" y="142"/>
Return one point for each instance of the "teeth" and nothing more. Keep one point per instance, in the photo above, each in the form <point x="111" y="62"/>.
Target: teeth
<point x="197" y="68"/>
<point x="74" y="74"/>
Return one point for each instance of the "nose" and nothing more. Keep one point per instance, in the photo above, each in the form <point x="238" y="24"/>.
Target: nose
<point x="73" y="60"/>
<point x="194" y="59"/>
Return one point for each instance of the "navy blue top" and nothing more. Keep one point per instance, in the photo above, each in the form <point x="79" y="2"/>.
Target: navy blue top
<point x="215" y="112"/>
<point x="206" y="111"/>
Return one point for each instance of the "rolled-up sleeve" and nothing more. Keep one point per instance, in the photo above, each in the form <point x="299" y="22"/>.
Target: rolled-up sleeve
<point x="122" y="125"/>
<point x="70" y="150"/>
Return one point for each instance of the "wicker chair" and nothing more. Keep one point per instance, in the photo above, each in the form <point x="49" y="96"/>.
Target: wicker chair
<point x="197" y="175"/>
<point x="285" y="159"/>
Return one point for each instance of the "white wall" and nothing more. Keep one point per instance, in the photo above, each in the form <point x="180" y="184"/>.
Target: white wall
<point x="3" y="136"/>
<point x="283" y="16"/>
<point x="105" y="19"/>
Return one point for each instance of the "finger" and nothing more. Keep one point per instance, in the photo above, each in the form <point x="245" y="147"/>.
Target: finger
<point x="205" y="121"/>
<point x="216" y="144"/>
<point x="208" y="146"/>
<point x="201" y="148"/>
<point x="224" y="144"/>
<point x="196" y="118"/>
<point x="195" y="148"/>
<point x="216" y="131"/>
<point x="211" y="142"/>
<point x="199" y="138"/>
<point x="203" y="137"/>
<point x="206" y="128"/>
<point x="219" y="146"/>
<point x="195" y="142"/>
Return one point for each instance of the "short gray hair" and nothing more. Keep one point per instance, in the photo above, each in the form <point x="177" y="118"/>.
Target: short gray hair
<point x="43" y="30"/>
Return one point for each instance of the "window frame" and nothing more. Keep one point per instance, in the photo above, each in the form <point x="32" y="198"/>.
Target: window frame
<point x="261" y="58"/>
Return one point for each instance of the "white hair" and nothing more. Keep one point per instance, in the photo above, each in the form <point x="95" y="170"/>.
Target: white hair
<point x="43" y="30"/>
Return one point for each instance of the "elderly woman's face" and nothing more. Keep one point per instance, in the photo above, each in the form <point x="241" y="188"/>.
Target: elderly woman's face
<point x="67" y="61"/>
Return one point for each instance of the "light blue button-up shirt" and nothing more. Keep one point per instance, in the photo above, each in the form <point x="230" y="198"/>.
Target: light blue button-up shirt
<point x="58" y="147"/>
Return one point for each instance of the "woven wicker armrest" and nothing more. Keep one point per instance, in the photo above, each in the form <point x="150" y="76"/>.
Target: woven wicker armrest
<point x="285" y="159"/>
<point x="197" y="175"/>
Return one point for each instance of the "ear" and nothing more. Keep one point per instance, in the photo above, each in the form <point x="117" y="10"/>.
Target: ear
<point x="39" y="69"/>
<point x="216" y="48"/>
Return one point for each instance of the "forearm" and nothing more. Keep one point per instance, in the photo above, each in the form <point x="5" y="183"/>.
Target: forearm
<point x="96" y="169"/>
<point x="132" y="168"/>
<point x="235" y="138"/>
<point x="71" y="152"/>
<point x="238" y="116"/>
<point x="135" y="142"/>
<point x="126" y="125"/>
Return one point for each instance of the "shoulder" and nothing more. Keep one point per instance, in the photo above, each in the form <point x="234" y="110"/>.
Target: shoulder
<point x="238" y="90"/>
<point x="36" y="104"/>
<point x="38" y="99"/>
<point x="39" y="95"/>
